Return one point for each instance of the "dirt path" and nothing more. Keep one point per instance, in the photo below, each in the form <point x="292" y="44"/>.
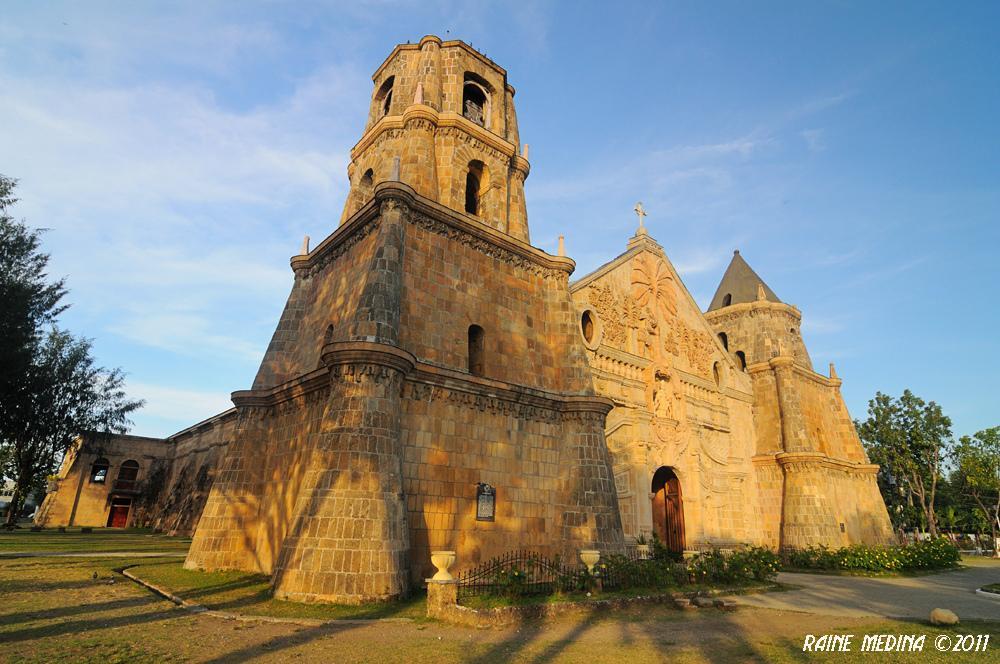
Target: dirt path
<point x="894" y="597"/>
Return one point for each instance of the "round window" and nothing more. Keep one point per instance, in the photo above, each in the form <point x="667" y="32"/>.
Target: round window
<point x="587" y="326"/>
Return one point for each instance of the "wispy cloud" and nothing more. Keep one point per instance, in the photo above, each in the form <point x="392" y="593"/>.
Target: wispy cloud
<point x="816" y="105"/>
<point x="812" y="324"/>
<point x="158" y="194"/>
<point x="654" y="171"/>
<point x="814" y="139"/>
<point x="882" y="273"/>
<point x="181" y="406"/>
<point x="700" y="260"/>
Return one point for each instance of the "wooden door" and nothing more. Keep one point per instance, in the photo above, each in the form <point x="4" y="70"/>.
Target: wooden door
<point x="660" y="515"/>
<point x="119" y="514"/>
<point x="674" y="515"/>
<point x="668" y="509"/>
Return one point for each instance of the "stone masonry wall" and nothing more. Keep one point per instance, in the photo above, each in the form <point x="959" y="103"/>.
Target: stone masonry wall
<point x="177" y="488"/>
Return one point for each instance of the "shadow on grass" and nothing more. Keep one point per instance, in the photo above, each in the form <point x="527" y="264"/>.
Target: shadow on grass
<point x="64" y="611"/>
<point x="19" y="586"/>
<point x="251" y="594"/>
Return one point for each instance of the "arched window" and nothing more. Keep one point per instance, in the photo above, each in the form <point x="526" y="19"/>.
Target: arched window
<point x="587" y="326"/>
<point x="476" y="352"/>
<point x="727" y="299"/>
<point x="741" y="359"/>
<point x="99" y="471"/>
<point x="717" y="375"/>
<point x="724" y="339"/>
<point x="475" y="99"/>
<point x="473" y="185"/>
<point x="384" y="97"/>
<point x="127" y="475"/>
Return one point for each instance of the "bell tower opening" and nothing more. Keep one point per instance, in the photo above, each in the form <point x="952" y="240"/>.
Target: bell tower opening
<point x="476" y="99"/>
<point x="384" y="97"/>
<point x="668" y="508"/>
<point x="473" y="185"/>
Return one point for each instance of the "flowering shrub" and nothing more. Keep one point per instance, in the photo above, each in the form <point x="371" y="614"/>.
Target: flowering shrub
<point x="741" y="566"/>
<point x="511" y="582"/>
<point x="931" y="554"/>
<point x="754" y="563"/>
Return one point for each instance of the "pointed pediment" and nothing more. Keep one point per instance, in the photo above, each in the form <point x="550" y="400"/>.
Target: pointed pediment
<point x="645" y="309"/>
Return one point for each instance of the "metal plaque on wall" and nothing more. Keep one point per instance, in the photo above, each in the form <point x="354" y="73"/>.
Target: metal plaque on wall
<point x="486" y="502"/>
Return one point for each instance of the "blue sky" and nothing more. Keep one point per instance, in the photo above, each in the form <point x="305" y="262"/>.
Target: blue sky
<point x="849" y="150"/>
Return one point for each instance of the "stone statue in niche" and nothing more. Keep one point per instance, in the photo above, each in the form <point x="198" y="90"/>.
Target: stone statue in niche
<point x="663" y="406"/>
<point x="649" y="333"/>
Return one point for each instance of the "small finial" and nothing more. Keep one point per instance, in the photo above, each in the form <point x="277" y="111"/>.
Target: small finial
<point x="562" y="246"/>
<point x="761" y="293"/>
<point x="736" y="252"/>
<point x="394" y="175"/>
<point x="833" y="371"/>
<point x="524" y="152"/>
<point x="305" y="247"/>
<point x="418" y="96"/>
<point x="641" y="213"/>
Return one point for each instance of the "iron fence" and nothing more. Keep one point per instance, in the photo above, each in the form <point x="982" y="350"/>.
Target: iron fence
<point x="524" y="573"/>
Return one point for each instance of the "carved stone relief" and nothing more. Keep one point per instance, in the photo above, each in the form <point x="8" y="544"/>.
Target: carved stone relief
<point x="653" y="287"/>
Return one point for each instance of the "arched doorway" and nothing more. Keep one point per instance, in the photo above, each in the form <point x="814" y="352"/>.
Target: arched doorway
<point x="668" y="509"/>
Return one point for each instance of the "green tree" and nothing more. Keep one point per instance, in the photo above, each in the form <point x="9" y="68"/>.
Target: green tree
<point x="29" y="301"/>
<point x="909" y="439"/>
<point x="977" y="460"/>
<point x="51" y="390"/>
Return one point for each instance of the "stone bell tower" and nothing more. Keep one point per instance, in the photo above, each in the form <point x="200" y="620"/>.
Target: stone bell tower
<point x="816" y="484"/>
<point x="427" y="356"/>
<point x="442" y="121"/>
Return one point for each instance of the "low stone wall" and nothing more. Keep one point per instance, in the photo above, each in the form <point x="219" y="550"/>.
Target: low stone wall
<point x="442" y="604"/>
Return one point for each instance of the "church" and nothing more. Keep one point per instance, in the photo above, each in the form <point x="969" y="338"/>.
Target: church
<point x="437" y="382"/>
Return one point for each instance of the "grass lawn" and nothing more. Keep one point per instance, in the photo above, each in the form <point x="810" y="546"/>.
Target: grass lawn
<point x="101" y="540"/>
<point x="992" y="588"/>
<point x="250" y="594"/>
<point x="54" y="610"/>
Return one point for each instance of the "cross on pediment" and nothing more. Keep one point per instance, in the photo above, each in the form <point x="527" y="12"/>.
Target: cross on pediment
<point x="641" y="213"/>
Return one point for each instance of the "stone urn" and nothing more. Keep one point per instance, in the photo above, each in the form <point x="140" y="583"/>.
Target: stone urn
<point x="442" y="560"/>
<point x="590" y="558"/>
<point x="645" y="551"/>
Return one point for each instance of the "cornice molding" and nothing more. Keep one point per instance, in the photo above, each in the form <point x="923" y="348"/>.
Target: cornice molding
<point x="440" y="120"/>
<point x="757" y="305"/>
<point x="819" y="459"/>
<point x="367" y="352"/>
<point x="435" y="217"/>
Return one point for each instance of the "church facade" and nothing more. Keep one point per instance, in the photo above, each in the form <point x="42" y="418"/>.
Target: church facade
<point x="436" y="382"/>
